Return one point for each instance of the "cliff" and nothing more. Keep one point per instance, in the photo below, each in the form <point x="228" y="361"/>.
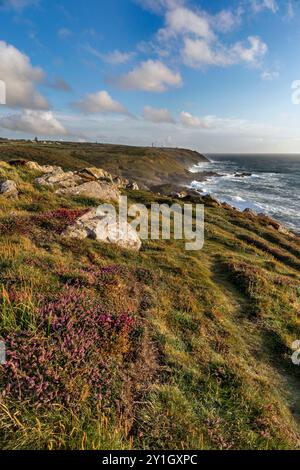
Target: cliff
<point x="148" y="166"/>
<point x="109" y="348"/>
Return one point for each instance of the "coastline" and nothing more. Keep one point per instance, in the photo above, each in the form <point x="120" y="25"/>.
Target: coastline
<point x="261" y="185"/>
<point x="164" y="309"/>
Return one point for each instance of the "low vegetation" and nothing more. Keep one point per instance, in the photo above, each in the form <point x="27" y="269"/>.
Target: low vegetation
<point x="161" y="349"/>
<point x="146" y="165"/>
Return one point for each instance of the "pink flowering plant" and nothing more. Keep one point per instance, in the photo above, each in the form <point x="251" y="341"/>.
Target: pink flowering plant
<point x="68" y="359"/>
<point x="91" y="275"/>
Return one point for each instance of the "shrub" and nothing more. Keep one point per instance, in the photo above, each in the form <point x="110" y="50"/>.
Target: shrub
<point x="54" y="221"/>
<point x="91" y="276"/>
<point x="279" y="254"/>
<point x="57" y="221"/>
<point x="67" y="360"/>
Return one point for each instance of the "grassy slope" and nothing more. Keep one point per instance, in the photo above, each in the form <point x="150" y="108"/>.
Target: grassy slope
<point x="205" y="364"/>
<point x="145" y="165"/>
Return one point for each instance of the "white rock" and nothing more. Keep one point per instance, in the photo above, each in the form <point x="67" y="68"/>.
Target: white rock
<point x="9" y="189"/>
<point x="94" y="189"/>
<point x="42" y="168"/>
<point x="60" y="178"/>
<point x="34" y="166"/>
<point x="104" y="228"/>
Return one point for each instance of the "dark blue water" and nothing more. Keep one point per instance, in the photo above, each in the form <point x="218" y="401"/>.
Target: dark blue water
<point x="273" y="188"/>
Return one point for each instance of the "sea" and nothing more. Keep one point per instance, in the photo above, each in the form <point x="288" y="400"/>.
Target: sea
<point x="273" y="187"/>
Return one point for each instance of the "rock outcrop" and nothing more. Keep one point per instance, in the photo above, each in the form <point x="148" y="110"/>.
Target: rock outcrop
<point x="121" y="183"/>
<point x="102" y="227"/>
<point x="89" y="182"/>
<point x="250" y="213"/>
<point x="266" y="220"/>
<point x="93" y="189"/>
<point x="60" y="178"/>
<point x="209" y="200"/>
<point x="9" y="189"/>
<point x="179" y="195"/>
<point x="242" y="175"/>
<point x="95" y="174"/>
<point x="34" y="166"/>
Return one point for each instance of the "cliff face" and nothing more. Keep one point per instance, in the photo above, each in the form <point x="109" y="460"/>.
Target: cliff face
<point x="160" y="349"/>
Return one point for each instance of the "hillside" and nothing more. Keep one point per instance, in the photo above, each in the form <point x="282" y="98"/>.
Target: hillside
<point x="148" y="166"/>
<point x="158" y="349"/>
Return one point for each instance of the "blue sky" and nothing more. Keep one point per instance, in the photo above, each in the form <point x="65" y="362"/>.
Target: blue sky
<point x="211" y="75"/>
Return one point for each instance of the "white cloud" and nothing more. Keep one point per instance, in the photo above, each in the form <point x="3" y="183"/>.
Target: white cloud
<point x="211" y="122"/>
<point x="260" y="5"/>
<point x="158" y="115"/>
<point x="290" y="14"/>
<point x="220" y="134"/>
<point x="158" y="6"/>
<point x="183" y="21"/>
<point x="195" y="33"/>
<point x="152" y="76"/>
<point x="115" y="57"/>
<point x="21" y="79"/>
<point x="18" y="4"/>
<point x="34" y="122"/>
<point x="226" y="20"/>
<point x="189" y="120"/>
<point x="198" y="53"/>
<point x="100" y="102"/>
<point x="250" y="54"/>
<point x="269" y="76"/>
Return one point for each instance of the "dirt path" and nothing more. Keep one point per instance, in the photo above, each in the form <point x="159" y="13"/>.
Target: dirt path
<point x="276" y="367"/>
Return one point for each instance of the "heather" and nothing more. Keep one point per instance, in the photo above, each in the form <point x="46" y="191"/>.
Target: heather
<point x="68" y="358"/>
<point x="161" y="349"/>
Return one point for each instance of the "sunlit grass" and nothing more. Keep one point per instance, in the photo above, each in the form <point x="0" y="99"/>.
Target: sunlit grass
<point x="207" y="363"/>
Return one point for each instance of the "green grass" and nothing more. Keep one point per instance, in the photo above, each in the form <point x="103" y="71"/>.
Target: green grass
<point x="149" y="166"/>
<point x="207" y="365"/>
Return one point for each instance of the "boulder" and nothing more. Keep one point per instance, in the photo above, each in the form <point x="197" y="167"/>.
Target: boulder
<point x="250" y="213"/>
<point x="179" y="195"/>
<point x="91" y="182"/>
<point x="211" y="201"/>
<point x="94" y="189"/>
<point x="194" y="196"/>
<point x="121" y="183"/>
<point x="133" y="186"/>
<point x="102" y="227"/>
<point x="9" y="188"/>
<point x="203" y="175"/>
<point x="34" y="166"/>
<point x="242" y="175"/>
<point x="193" y="192"/>
<point x="58" y="177"/>
<point x="265" y="219"/>
<point x="227" y="206"/>
<point x="94" y="174"/>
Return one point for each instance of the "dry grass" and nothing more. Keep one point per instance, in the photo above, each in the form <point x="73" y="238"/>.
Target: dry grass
<point x="207" y="364"/>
